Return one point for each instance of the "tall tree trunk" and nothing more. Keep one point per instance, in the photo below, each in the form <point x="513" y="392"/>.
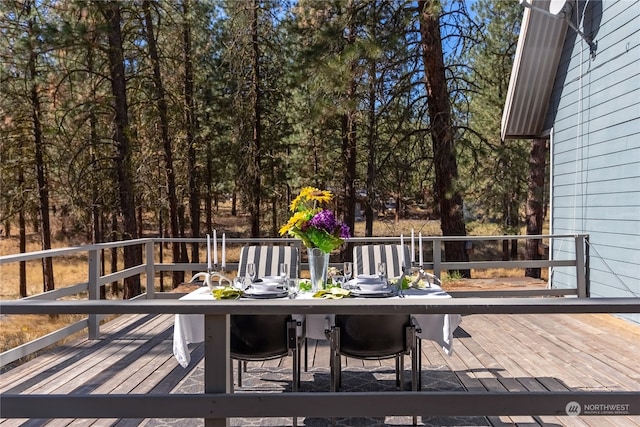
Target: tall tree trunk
<point x="371" y="145"/>
<point x="132" y="254"/>
<point x="274" y="216"/>
<point x="349" y="138"/>
<point x="22" y="226"/>
<point x="257" y="126"/>
<point x="349" y="150"/>
<point x="274" y="199"/>
<point x="442" y="135"/>
<point x="234" y="200"/>
<point x="190" y="109"/>
<point x="97" y="234"/>
<point x="114" y="252"/>
<point x="535" y="202"/>
<point x="182" y="225"/>
<point x="208" y="178"/>
<point x="41" y="174"/>
<point x="167" y="145"/>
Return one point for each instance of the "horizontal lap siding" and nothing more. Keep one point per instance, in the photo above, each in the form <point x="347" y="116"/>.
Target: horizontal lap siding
<point x="595" y="115"/>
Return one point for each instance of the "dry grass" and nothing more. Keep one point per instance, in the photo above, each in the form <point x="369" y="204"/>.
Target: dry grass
<point x="73" y="269"/>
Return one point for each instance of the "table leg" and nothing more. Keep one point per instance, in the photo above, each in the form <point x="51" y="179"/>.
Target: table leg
<point x="217" y="362"/>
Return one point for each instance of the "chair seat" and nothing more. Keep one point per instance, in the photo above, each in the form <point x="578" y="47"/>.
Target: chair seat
<point x="259" y="337"/>
<point x="265" y="337"/>
<point x="364" y="336"/>
<point x="373" y="336"/>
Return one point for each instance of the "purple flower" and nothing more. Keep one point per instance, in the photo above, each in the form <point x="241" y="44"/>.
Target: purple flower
<point x="345" y="232"/>
<point x="324" y="220"/>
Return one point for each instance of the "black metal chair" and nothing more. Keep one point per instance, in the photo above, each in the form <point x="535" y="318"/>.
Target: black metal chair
<point x="376" y="337"/>
<point x="266" y="337"/>
<point x="372" y="337"/>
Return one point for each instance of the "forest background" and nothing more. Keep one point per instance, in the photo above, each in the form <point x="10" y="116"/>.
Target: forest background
<point x="129" y="118"/>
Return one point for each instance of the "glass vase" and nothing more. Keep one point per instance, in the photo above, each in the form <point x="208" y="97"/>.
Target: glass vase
<point x="318" y="267"/>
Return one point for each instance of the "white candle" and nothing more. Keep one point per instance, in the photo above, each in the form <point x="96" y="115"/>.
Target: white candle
<point x="215" y="248"/>
<point x="208" y="253"/>
<point x="224" y="250"/>
<point x="420" y="247"/>
<point x="413" y="247"/>
<point x="404" y="264"/>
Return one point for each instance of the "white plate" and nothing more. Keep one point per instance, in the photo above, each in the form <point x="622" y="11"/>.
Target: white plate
<point x="252" y="293"/>
<point x="372" y="294"/>
<point x="266" y="288"/>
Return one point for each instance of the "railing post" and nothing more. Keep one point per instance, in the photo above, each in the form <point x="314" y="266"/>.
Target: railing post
<point x="94" y="292"/>
<point x="437" y="258"/>
<point x="150" y="269"/>
<point x="217" y="361"/>
<point x="587" y="267"/>
<point x="581" y="282"/>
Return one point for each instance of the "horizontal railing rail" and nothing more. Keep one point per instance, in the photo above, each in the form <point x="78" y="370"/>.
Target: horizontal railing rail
<point x="477" y="305"/>
<point x="218" y="403"/>
<point x="151" y="267"/>
<point x="322" y="405"/>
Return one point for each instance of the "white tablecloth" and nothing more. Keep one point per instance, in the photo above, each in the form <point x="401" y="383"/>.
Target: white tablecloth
<point x="189" y="328"/>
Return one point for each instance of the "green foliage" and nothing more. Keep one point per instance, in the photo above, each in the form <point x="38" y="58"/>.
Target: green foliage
<point x="319" y="61"/>
<point x="495" y="171"/>
<point x="453" y="276"/>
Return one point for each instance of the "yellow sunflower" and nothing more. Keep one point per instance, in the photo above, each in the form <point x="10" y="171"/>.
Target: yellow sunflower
<point x="310" y="194"/>
<point x="296" y="220"/>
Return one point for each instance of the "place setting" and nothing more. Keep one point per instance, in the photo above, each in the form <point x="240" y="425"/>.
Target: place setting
<point x="266" y="287"/>
<point x="370" y="285"/>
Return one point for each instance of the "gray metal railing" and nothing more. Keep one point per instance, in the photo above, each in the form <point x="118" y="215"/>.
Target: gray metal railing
<point x="151" y="267"/>
<point x="217" y="404"/>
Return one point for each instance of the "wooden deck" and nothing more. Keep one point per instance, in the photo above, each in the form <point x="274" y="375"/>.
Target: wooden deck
<point x="585" y="352"/>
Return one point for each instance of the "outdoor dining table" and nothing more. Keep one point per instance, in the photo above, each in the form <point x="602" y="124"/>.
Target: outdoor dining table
<point x="189" y="328"/>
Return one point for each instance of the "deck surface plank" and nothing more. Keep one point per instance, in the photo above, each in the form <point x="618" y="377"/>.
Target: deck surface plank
<point x="491" y="352"/>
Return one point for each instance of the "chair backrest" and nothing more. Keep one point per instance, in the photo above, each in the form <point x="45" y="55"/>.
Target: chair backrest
<point x="267" y="260"/>
<point x="260" y="337"/>
<point x="367" y="257"/>
<point x="373" y="336"/>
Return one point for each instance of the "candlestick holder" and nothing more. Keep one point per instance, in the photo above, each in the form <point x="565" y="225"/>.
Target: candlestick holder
<point x="415" y="283"/>
<point x="210" y="275"/>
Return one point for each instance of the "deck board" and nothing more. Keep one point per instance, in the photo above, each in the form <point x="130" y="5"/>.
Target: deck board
<point x="491" y="352"/>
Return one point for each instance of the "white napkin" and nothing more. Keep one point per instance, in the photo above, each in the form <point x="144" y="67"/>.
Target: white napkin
<point x="271" y="279"/>
<point x="370" y="282"/>
<point x="368" y="279"/>
<point x="268" y="284"/>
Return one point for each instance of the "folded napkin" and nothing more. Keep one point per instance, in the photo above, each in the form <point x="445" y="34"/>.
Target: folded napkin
<point x="267" y="287"/>
<point x="370" y="282"/>
<point x="270" y="279"/>
<point x="332" y="293"/>
<point x="227" y="293"/>
<point x="368" y="278"/>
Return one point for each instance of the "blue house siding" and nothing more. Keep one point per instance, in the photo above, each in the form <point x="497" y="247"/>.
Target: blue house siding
<point x="594" y="115"/>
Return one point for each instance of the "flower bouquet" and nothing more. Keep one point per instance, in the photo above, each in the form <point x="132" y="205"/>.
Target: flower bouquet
<point x="315" y="226"/>
<point x="318" y="229"/>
